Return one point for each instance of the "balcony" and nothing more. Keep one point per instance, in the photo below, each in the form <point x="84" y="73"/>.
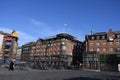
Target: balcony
<point x="6" y="55"/>
<point x="7" y="49"/>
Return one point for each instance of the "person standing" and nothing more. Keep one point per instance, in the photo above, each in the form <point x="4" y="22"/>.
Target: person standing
<point x="11" y="66"/>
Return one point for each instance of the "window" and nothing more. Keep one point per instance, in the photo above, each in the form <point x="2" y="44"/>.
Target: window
<point x="63" y="39"/>
<point x="93" y="38"/>
<point x="118" y="43"/>
<point x="111" y="49"/>
<point x="98" y="37"/>
<point x="91" y="44"/>
<point x="118" y="49"/>
<point x="118" y="36"/>
<point x="111" y="43"/>
<point x="104" y="50"/>
<point x="97" y="43"/>
<point x="91" y="49"/>
<point x="54" y="44"/>
<point x="103" y="37"/>
<point x="104" y="43"/>
<point x="51" y="44"/>
<point x="98" y="49"/>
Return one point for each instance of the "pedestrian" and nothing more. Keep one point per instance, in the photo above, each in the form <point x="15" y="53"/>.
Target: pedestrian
<point x="11" y="66"/>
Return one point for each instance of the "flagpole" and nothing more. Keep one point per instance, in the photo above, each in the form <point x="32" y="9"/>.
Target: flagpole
<point x="64" y="27"/>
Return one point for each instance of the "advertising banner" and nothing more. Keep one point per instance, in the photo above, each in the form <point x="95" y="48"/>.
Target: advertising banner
<point x="9" y="38"/>
<point x="1" y="41"/>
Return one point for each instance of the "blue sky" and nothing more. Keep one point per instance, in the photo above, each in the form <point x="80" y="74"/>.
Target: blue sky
<point x="34" y="19"/>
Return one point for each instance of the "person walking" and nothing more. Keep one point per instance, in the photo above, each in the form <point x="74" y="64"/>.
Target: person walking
<point x="11" y="66"/>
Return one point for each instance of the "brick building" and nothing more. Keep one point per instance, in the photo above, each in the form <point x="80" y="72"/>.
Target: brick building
<point x="26" y="51"/>
<point x="60" y="50"/>
<point x="104" y="42"/>
<point x="101" y="43"/>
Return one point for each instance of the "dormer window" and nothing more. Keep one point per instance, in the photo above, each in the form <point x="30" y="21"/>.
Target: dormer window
<point x="93" y="38"/>
<point x="103" y="37"/>
<point x="98" y="37"/>
<point x="118" y="36"/>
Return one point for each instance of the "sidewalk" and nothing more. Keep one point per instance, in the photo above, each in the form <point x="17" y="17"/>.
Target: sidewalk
<point x="61" y="74"/>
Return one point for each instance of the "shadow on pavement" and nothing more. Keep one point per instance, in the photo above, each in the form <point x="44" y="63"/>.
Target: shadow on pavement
<point x="81" y="78"/>
<point x="114" y="77"/>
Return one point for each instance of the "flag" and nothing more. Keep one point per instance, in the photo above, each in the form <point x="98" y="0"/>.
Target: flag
<point x="65" y="24"/>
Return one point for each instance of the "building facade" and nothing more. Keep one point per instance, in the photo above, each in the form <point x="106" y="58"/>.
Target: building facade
<point x="60" y="50"/>
<point x="19" y="52"/>
<point x="26" y="51"/>
<point x="104" y="42"/>
<point x="8" y="45"/>
<point x="101" y="43"/>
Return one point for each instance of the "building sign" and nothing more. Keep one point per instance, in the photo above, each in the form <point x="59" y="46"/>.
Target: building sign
<point x="1" y="41"/>
<point x="9" y="38"/>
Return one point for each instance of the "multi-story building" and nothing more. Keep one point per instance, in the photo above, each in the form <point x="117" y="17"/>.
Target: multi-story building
<point x="101" y="43"/>
<point x="104" y="42"/>
<point x="1" y="44"/>
<point x="26" y="51"/>
<point x="60" y="50"/>
<point x="8" y="45"/>
<point x="19" y="52"/>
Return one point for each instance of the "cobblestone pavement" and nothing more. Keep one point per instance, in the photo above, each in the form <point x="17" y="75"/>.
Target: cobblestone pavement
<point x="57" y="75"/>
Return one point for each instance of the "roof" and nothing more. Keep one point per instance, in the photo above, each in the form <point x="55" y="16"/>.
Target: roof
<point x="104" y="33"/>
<point x="116" y="32"/>
<point x="100" y="33"/>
